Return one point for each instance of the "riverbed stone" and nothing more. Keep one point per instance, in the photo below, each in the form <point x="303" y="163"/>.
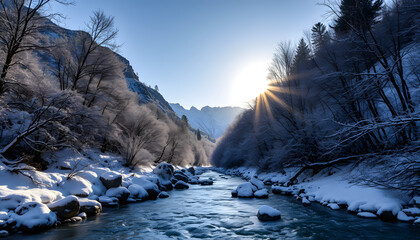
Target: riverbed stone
<point x="111" y="179"/>
<point x="234" y="193"/>
<point x="4" y="233"/>
<point x="24" y="214"/>
<point x="181" y="176"/>
<point x="65" y="208"/>
<point x="387" y="216"/>
<point x="121" y="193"/>
<point x="267" y="213"/>
<point x="181" y="185"/>
<point x="206" y="182"/>
<point x="163" y="194"/>
<point x="191" y="170"/>
<point x="90" y="207"/>
<point x="263" y="193"/>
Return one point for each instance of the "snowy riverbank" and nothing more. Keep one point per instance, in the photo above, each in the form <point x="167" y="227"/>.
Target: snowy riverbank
<point x="336" y="190"/>
<point x="76" y="186"/>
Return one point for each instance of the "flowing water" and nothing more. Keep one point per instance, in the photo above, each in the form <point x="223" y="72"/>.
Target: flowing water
<point x="209" y="212"/>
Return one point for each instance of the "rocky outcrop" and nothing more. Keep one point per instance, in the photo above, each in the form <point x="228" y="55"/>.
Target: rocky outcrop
<point x="65" y="208"/>
<point x="111" y="180"/>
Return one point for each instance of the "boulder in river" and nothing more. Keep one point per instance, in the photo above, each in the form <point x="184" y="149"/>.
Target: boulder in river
<point x="90" y="207"/>
<point x="108" y="202"/>
<point x="181" y="185"/>
<point x="257" y="183"/>
<point x="206" y="182"/>
<point x="263" y="193"/>
<point x="163" y="194"/>
<point x="111" y="179"/>
<point x="267" y="213"/>
<point x="121" y="193"/>
<point x="191" y="170"/>
<point x="366" y="215"/>
<point x="65" y="208"/>
<point x="181" y="176"/>
<point x="4" y="233"/>
<point x="151" y="188"/>
<point x="137" y="192"/>
<point x="234" y="193"/>
<point x="246" y="190"/>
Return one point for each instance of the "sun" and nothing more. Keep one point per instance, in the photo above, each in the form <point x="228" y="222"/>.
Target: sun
<point x="249" y="82"/>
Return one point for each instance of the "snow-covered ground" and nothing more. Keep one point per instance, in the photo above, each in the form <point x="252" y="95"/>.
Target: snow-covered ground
<point x="336" y="190"/>
<point x="76" y="185"/>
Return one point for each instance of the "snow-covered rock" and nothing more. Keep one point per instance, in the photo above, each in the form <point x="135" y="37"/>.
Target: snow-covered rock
<point x="263" y="193"/>
<point x="137" y="192"/>
<point x="257" y="183"/>
<point x="246" y="190"/>
<point x="111" y="179"/>
<point x="151" y="188"/>
<point x="165" y="172"/>
<point x="34" y="217"/>
<point x="181" y="176"/>
<point x="414" y="212"/>
<point x="121" y="193"/>
<point x="108" y="202"/>
<point x="305" y="201"/>
<point x="281" y="190"/>
<point x="163" y="194"/>
<point x="206" y="182"/>
<point x="181" y="185"/>
<point x="65" y="208"/>
<point x="366" y="215"/>
<point x="4" y="233"/>
<point x="90" y="207"/>
<point x="401" y="216"/>
<point x="267" y="213"/>
<point x="234" y="193"/>
<point x="77" y="186"/>
<point x="333" y="206"/>
<point x="191" y="170"/>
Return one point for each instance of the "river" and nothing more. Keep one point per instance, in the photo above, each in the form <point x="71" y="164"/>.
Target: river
<point x="209" y="212"/>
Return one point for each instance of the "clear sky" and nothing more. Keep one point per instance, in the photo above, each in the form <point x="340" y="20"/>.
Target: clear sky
<point x="201" y="52"/>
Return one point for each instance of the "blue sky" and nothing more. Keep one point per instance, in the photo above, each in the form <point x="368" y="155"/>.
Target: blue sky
<point x="201" y="52"/>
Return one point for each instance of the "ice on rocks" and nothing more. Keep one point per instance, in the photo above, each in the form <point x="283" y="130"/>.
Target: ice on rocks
<point x="267" y="213"/>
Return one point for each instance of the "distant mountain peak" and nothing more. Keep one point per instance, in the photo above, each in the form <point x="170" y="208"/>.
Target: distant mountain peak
<point x="211" y="120"/>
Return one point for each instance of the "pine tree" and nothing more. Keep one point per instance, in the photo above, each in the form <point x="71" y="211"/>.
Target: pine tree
<point x="302" y="55"/>
<point x="357" y="14"/>
<point x="198" y="135"/>
<point x="156" y="88"/>
<point x="319" y="35"/>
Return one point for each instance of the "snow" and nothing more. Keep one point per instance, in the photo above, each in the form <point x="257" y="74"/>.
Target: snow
<point x="246" y="190"/>
<point x="403" y="217"/>
<point x="137" y="191"/>
<point x="366" y="215"/>
<point x="412" y="211"/>
<point x="267" y="210"/>
<point x="263" y="193"/>
<point x="34" y="214"/>
<point x="77" y="186"/>
<point x="305" y="201"/>
<point x="333" y="206"/>
<point x="117" y="192"/>
<point x="63" y="202"/>
<point x="257" y="183"/>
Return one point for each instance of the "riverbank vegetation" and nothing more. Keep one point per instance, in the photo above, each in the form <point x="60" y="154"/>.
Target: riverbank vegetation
<point x="69" y="89"/>
<point x="346" y="93"/>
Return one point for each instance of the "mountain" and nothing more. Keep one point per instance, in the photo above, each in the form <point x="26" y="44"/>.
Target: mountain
<point x="212" y="120"/>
